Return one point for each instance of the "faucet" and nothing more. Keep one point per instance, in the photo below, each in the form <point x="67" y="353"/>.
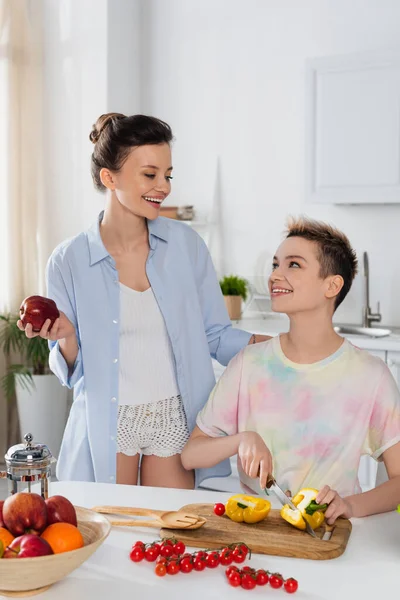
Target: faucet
<point x="368" y="317"/>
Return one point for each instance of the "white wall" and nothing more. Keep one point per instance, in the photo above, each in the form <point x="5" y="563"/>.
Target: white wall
<point x="92" y="66"/>
<point x="229" y="77"/>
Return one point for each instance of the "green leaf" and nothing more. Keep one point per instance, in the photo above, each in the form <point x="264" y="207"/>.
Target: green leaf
<point x="33" y="354"/>
<point x="234" y="286"/>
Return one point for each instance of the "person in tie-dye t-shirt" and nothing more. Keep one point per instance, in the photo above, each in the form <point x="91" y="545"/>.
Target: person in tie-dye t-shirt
<point x="306" y="405"/>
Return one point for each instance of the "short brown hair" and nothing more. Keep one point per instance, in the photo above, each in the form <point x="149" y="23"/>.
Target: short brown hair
<point x="335" y="254"/>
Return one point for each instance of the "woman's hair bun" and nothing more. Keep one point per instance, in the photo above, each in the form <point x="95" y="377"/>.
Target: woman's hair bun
<point x="102" y="122"/>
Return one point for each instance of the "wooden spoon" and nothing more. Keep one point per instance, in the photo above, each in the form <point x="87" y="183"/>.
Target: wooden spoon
<point x="168" y="519"/>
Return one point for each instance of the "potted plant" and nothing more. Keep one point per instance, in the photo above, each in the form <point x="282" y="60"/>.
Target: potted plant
<point x="235" y="291"/>
<point x="41" y="400"/>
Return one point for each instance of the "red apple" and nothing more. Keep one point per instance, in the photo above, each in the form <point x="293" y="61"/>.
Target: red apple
<point x="1" y="513"/>
<point x="60" y="510"/>
<point x="28" y="546"/>
<point x="36" y="309"/>
<point x="25" y="513"/>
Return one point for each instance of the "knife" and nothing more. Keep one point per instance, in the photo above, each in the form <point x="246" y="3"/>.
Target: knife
<point x="284" y="499"/>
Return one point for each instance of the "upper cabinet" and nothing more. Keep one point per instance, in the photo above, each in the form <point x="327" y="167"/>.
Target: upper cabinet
<point x="353" y="129"/>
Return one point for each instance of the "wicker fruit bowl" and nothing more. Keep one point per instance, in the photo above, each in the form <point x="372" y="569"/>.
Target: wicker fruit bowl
<point x="21" y="577"/>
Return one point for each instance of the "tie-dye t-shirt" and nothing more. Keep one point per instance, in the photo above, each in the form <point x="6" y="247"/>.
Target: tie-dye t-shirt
<point x="316" y="419"/>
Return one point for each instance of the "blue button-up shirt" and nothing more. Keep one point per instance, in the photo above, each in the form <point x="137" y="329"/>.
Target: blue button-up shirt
<point x="82" y="279"/>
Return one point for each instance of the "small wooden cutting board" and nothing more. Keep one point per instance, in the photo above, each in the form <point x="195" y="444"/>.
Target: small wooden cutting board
<point x="273" y="535"/>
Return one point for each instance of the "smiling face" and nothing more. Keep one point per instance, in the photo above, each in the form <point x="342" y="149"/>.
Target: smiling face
<point x="295" y="283"/>
<point x="144" y="180"/>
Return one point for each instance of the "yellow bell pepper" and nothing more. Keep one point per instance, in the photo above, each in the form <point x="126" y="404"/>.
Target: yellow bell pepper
<point x="308" y="510"/>
<point x="248" y="509"/>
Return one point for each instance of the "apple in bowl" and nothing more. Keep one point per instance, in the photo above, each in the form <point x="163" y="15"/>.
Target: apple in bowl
<point x="28" y="546"/>
<point x="36" y="310"/>
<point x="25" y="513"/>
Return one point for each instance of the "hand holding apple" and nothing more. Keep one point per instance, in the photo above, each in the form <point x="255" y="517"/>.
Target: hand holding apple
<point x="60" y="510"/>
<point x="25" y="513"/>
<point x="35" y="310"/>
<point x="60" y="328"/>
<point x="28" y="546"/>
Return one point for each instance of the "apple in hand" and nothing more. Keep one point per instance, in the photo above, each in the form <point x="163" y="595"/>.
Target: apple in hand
<point x="25" y="513"/>
<point x="36" y="309"/>
<point x="27" y="546"/>
<point x="60" y="510"/>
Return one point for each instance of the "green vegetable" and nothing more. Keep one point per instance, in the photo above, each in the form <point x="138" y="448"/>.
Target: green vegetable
<point x="313" y="507"/>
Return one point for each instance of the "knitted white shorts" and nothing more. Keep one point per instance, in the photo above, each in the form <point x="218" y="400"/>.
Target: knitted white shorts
<point x="158" y="428"/>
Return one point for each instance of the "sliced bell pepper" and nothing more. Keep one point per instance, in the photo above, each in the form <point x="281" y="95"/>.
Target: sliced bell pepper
<point x="308" y="510"/>
<point x="248" y="509"/>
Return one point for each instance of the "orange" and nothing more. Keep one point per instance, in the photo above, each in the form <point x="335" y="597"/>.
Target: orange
<point x="63" y="537"/>
<point x="6" y="537"/>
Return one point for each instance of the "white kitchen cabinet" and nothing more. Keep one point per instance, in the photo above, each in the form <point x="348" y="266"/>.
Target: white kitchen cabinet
<point x="353" y="128"/>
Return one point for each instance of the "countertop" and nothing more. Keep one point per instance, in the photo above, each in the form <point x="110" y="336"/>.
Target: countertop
<point x="273" y="324"/>
<point x="368" y="568"/>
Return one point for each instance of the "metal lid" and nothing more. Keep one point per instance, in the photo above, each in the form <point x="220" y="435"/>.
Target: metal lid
<point x="28" y="454"/>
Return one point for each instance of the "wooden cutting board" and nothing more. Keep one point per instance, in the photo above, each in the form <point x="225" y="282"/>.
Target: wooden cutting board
<point x="273" y="535"/>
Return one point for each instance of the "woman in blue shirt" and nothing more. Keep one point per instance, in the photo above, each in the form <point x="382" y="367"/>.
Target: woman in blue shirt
<point x="141" y="315"/>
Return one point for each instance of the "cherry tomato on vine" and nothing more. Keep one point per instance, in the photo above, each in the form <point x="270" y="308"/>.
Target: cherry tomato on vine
<point x="151" y="553"/>
<point x="186" y="565"/>
<point x="238" y="556"/>
<point x="212" y="560"/>
<point x="179" y="548"/>
<point x="248" y="582"/>
<point x="225" y="556"/>
<point x="160" y="569"/>
<point x="291" y="585"/>
<point x="173" y="568"/>
<point x="234" y="578"/>
<point x="261" y="577"/>
<point x="136" y="554"/>
<point x="275" y="581"/>
<point x="199" y="563"/>
<point x="166" y="550"/>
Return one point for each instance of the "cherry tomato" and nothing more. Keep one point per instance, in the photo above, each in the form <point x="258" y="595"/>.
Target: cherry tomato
<point x="261" y="577"/>
<point x="172" y="568"/>
<point x="291" y="585"/>
<point x="248" y="582"/>
<point x="141" y="544"/>
<point x="161" y="560"/>
<point x="238" y="556"/>
<point x="167" y="543"/>
<point x="225" y="556"/>
<point x="151" y="553"/>
<point x="235" y="578"/>
<point x="248" y="569"/>
<point x="243" y="548"/>
<point x="179" y="548"/>
<point x="160" y="570"/>
<point x="275" y="581"/>
<point x="136" y="554"/>
<point x="199" y="563"/>
<point x="219" y="509"/>
<point x="166" y="551"/>
<point x="230" y="570"/>
<point x="186" y="565"/>
<point x="212" y="560"/>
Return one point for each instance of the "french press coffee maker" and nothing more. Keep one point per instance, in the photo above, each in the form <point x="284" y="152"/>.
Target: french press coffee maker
<point x="27" y="464"/>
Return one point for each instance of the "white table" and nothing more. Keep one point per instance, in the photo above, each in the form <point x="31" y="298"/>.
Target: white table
<point x="368" y="569"/>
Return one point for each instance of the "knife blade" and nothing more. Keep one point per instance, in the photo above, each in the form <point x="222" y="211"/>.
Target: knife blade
<point x="284" y="499"/>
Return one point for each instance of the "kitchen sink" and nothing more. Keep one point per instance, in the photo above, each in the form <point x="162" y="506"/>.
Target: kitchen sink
<point x="374" y="332"/>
